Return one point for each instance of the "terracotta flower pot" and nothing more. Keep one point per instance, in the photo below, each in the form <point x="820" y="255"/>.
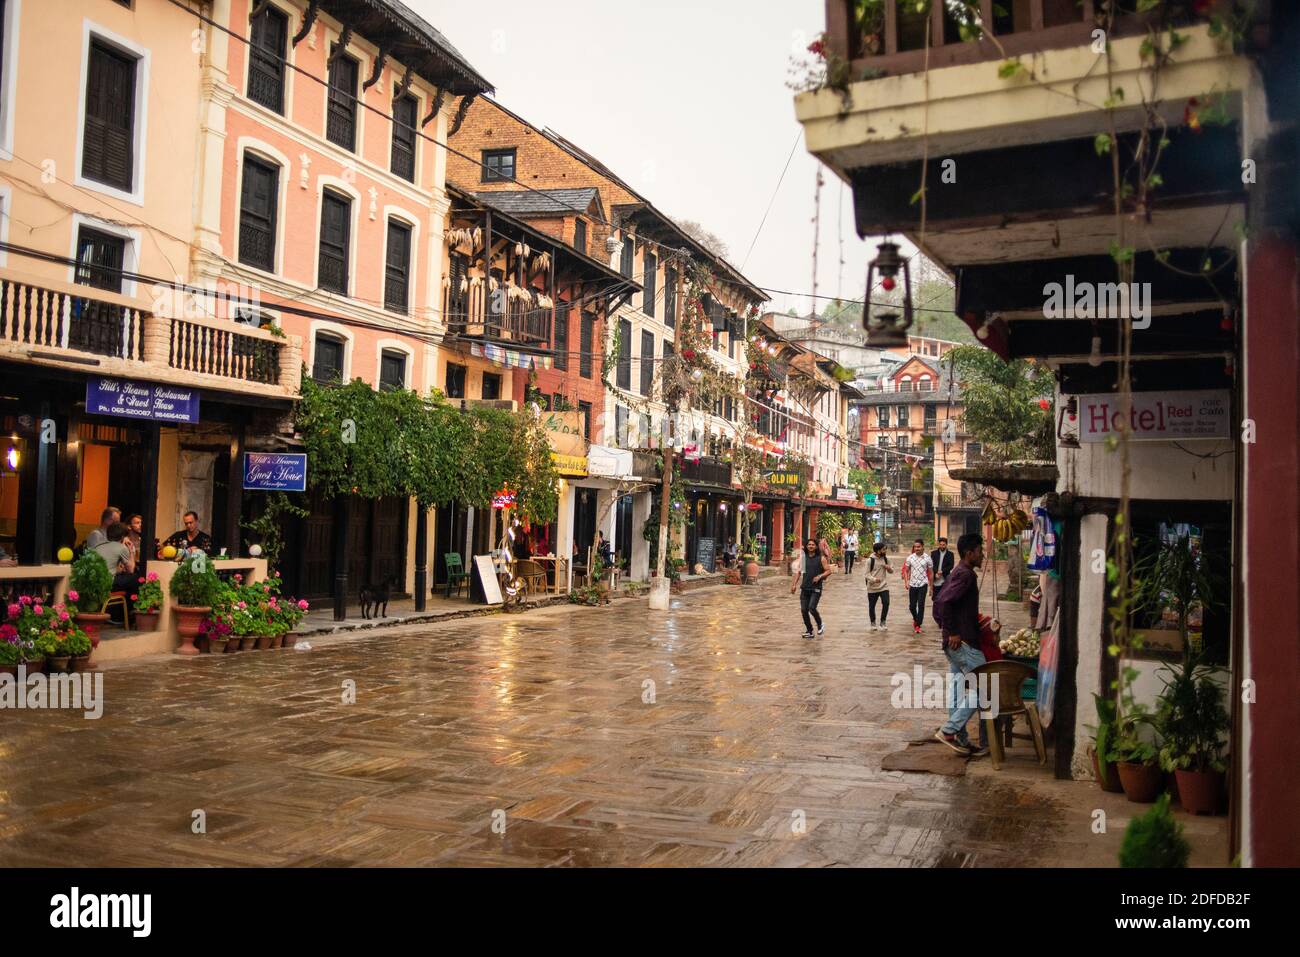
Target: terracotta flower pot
<point x="1142" y="782"/>
<point x="58" y="663"/>
<point x="146" y="621"/>
<point x="34" y="665"/>
<point x="1111" y="781"/>
<point x="189" y="618"/>
<point x="81" y="662"/>
<point x="246" y="642"/>
<point x="232" y="644"/>
<point x="9" y="670"/>
<point x="263" y="642"/>
<point x="217" y="646"/>
<point x="751" y="572"/>
<point x="90" y="624"/>
<point x="290" y="639"/>
<point x="1199" y="792"/>
<point x="201" y="643"/>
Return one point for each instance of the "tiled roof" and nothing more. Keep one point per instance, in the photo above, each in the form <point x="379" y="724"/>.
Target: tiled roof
<point x="528" y="203"/>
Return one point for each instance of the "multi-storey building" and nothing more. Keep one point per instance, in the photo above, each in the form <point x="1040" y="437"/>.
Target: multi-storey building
<point x="536" y="174"/>
<point x="1209" y="319"/>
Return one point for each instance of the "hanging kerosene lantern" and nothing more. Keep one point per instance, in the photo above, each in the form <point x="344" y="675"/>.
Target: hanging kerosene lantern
<point x="887" y="328"/>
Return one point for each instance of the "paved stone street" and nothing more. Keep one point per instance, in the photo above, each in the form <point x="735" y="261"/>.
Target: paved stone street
<point x="540" y="716"/>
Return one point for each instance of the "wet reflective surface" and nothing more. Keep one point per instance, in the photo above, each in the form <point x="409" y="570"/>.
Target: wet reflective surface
<point x="711" y="735"/>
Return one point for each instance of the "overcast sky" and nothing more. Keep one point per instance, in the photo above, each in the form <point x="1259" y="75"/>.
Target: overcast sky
<point x="688" y="103"/>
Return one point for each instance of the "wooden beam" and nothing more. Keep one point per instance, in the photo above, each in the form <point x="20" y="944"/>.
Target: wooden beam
<point x="377" y="71"/>
<point x="308" y="21"/>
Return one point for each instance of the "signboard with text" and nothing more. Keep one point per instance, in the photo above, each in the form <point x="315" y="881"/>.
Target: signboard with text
<point x="844" y="493"/>
<point x="706" y="554"/>
<point x="142" y="400"/>
<point x="1201" y="414"/>
<point x="275" y="471"/>
<point x="565" y="432"/>
<point x="781" y="479"/>
<point x="871" y="498"/>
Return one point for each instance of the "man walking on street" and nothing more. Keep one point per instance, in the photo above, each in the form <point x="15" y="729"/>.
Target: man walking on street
<point x="816" y="569"/>
<point x="958" y="609"/>
<point x="917" y="574"/>
<point x="943" y="562"/>
<point x="850" y="550"/>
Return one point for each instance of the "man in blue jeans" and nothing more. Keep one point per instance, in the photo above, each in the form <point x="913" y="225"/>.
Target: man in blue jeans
<point x="960" y="599"/>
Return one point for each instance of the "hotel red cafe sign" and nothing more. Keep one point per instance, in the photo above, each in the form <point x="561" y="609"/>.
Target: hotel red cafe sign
<point x="1153" y="416"/>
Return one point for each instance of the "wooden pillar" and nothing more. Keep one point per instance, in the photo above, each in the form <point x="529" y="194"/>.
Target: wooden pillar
<point x="813" y="515"/>
<point x="798" y="529"/>
<point x="46" y="449"/>
<point x="149" y="513"/>
<point x="342" y="526"/>
<point x="776" y="550"/>
<point x="421" y="556"/>
<point x="69" y="478"/>
<point x="235" y="488"/>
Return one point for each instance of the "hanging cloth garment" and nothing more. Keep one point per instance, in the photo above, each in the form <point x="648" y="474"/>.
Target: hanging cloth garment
<point x="1042" y="546"/>
<point x="1051" y="600"/>
<point x="1048" y="657"/>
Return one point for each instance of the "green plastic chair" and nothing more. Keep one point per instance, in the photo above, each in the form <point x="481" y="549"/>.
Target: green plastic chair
<point x="455" y="572"/>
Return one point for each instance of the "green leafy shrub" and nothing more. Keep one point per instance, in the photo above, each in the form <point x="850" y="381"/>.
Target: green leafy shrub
<point x="1155" y="839"/>
<point x="195" y="584"/>
<point x="91" y="582"/>
<point x="1191" y="718"/>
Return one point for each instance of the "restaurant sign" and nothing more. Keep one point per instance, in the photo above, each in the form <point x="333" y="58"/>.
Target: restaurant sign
<point x="141" y="400"/>
<point x="275" y="471"/>
<point x="564" y="430"/>
<point x="1157" y="415"/>
<point x="845" y="493"/>
<point x="777" y="479"/>
<point x="609" y="463"/>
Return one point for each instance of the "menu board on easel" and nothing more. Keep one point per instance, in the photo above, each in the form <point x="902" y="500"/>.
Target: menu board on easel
<point x="487" y="576"/>
<point x="706" y="554"/>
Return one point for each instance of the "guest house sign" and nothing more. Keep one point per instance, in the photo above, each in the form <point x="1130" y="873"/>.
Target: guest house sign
<point x="1157" y="415"/>
<point x="141" y="400"/>
<point x="275" y="471"/>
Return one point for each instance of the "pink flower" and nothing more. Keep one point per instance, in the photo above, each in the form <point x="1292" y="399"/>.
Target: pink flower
<point x="242" y="605"/>
<point x="239" y="578"/>
<point x="63" y="616"/>
<point x="27" y="599"/>
<point x="15" y="610"/>
<point x="39" y="610"/>
<point x="153" y="576"/>
<point x="277" y="574"/>
<point x="135" y="597"/>
<point x="302" y="603"/>
<point x="73" y="596"/>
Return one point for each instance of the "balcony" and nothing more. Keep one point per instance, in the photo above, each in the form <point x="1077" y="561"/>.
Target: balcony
<point x="48" y="322"/>
<point x="707" y="470"/>
<point x="947" y="500"/>
<point x="520" y="321"/>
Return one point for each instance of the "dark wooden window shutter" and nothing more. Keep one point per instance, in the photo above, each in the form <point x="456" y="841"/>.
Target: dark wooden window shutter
<point x="647" y="361"/>
<point x="624" y="371"/>
<point x="648" y="283"/>
<point x="561" y="361"/>
<point x="404" y="120"/>
<point x="108" y="144"/>
<point x="397" y="267"/>
<point x="257" y="213"/>
<point x="585" y="345"/>
<point x="341" y="118"/>
<point x="335" y="223"/>
<point x="266" y="50"/>
<point x="670" y="298"/>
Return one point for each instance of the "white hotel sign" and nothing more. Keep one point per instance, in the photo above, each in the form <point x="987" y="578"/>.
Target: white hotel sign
<point x="1157" y="415"/>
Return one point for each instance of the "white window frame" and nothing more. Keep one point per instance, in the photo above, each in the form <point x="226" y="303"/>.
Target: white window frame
<point x="140" y="138"/>
<point x="394" y="345"/>
<point x="395" y="81"/>
<point x="267" y="154"/>
<point x="9" y="81"/>
<point x="130" y="255"/>
<point x="341" y="332"/>
<point x="294" y="18"/>
<point x="6" y="212"/>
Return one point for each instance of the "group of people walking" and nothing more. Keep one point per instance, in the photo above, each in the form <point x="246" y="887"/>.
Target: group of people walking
<point x="946" y="579"/>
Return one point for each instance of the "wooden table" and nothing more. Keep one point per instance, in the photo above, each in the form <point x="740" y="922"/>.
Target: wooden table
<point x="559" y="581"/>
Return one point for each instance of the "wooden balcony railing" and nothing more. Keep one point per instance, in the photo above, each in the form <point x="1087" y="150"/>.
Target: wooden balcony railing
<point x="47" y="320"/>
<point x="520" y="321"/>
<point x="889" y="36"/>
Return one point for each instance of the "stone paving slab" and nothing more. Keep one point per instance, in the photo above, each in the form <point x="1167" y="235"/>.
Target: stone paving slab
<point x="711" y="735"/>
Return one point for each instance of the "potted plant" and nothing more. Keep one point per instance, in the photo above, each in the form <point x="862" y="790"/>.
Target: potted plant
<point x="11" y="649"/>
<point x="1103" y="734"/>
<point x="78" y="643"/>
<point x="194" y="587"/>
<point x="1154" y="839"/>
<point x="1193" y="722"/>
<point x="1139" y="771"/>
<point x="750" y="559"/>
<point x="148" y="600"/>
<point x="89" y="587"/>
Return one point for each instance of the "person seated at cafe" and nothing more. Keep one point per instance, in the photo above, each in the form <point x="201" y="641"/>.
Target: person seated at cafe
<point x="729" y="553"/>
<point x="522" y="546"/>
<point x="107" y="519"/>
<point x="6" y="559"/>
<point x="190" y="540"/>
<point x="135" y="529"/>
<point x="117" y="555"/>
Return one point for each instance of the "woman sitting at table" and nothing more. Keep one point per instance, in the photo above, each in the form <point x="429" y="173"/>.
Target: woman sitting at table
<point x="118" y="556"/>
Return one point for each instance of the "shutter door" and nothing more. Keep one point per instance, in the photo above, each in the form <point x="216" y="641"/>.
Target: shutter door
<point x="108" y="147"/>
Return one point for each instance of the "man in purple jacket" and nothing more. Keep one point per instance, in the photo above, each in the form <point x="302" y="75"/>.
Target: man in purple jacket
<point x="960" y="599"/>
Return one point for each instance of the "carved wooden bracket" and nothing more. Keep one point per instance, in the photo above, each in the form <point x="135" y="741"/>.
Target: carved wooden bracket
<point x="377" y="71"/>
<point x="258" y="8"/>
<point x="460" y="114"/>
<point x="438" y="97"/>
<point x="308" y="21"/>
<point x="406" y="84"/>
<point x="341" y="47"/>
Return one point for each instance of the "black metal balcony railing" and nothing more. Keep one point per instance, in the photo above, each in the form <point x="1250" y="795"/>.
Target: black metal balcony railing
<point x="46" y="317"/>
<point x="889" y="36"/>
<point x="707" y="470"/>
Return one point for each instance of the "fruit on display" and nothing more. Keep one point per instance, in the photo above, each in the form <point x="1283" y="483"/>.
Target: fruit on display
<point x="1023" y="644"/>
<point x="1006" y="525"/>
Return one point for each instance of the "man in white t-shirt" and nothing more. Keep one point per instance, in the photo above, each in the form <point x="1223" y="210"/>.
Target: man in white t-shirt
<point x="918" y="574"/>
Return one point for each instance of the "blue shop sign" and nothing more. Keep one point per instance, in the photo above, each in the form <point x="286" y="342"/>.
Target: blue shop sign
<point x="142" y="400"/>
<point x="275" y="471"/>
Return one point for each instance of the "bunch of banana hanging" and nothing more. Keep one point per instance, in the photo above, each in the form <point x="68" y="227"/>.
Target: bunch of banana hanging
<point x="1006" y="525"/>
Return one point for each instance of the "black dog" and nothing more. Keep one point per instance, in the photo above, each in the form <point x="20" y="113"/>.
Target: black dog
<point x="374" y="599"/>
